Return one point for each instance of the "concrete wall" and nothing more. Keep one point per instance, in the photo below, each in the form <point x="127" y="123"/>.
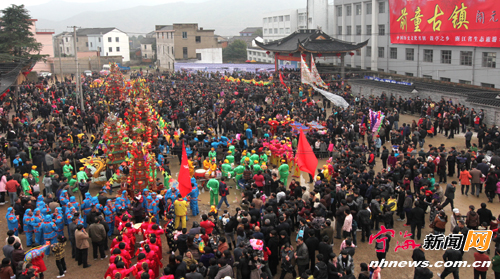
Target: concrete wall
<point x="492" y="114"/>
<point x="165" y="49"/>
<point x="85" y="63"/>
<point x="207" y="40"/>
<point x="210" y="55"/>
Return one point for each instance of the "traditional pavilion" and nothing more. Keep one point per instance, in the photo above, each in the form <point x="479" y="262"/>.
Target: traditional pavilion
<point x="311" y="41"/>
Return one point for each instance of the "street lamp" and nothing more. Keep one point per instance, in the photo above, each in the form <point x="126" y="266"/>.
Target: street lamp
<point x="60" y="62"/>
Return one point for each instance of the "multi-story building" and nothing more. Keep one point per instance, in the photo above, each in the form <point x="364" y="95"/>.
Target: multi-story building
<point x="147" y="51"/>
<point x="196" y="44"/>
<point x="358" y="21"/>
<point x="165" y="47"/>
<point x="108" y="41"/>
<point x="44" y="36"/>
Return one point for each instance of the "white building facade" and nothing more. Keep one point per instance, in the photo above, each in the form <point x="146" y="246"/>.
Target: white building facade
<point x="209" y="55"/>
<point x="112" y="43"/>
<point x="357" y="21"/>
<point x="165" y="47"/>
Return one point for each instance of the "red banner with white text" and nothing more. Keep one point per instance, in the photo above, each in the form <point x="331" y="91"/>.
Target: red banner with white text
<point x="445" y="22"/>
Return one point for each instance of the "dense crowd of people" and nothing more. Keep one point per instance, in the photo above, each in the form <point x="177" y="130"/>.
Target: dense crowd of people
<point x="279" y="222"/>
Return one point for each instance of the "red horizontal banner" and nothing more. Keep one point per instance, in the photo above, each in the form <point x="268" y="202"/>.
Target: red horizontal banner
<point x="445" y="22"/>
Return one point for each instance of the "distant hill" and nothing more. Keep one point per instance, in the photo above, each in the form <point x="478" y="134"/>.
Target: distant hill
<point x="227" y="17"/>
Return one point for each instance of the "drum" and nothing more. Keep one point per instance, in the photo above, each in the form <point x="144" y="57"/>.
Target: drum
<point x="200" y="173"/>
<point x="218" y="174"/>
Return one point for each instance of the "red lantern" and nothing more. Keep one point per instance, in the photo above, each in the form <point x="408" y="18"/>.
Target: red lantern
<point x="351" y="53"/>
<point x="338" y="54"/>
<point x="304" y="55"/>
<point x="267" y="52"/>
<point x="290" y="54"/>
<point x="277" y="53"/>
<point x="319" y="54"/>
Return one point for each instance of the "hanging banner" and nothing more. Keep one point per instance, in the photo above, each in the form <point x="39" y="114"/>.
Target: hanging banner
<point x="305" y="72"/>
<point x="315" y="75"/>
<point x="445" y="22"/>
<point x="334" y="98"/>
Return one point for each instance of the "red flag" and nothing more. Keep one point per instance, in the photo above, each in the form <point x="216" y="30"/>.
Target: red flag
<point x="306" y="160"/>
<point x="281" y="80"/>
<point x="184" y="177"/>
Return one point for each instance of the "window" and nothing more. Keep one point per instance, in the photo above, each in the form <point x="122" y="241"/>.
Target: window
<point x="184" y="35"/>
<point x="265" y="20"/>
<point x="275" y="30"/>
<point x="381" y="51"/>
<point x="369" y="68"/>
<point x="427" y="76"/>
<point x="466" y="58"/>
<point x="145" y="46"/>
<point x="77" y="48"/>
<point x="109" y="39"/>
<point x="117" y="39"/>
<point x="368" y="8"/>
<point x="198" y="39"/>
<point x="275" y="19"/>
<point x="381" y="7"/>
<point x="358" y="66"/>
<point x="339" y="30"/>
<point x="348" y="10"/>
<point x="358" y="30"/>
<point x="281" y="18"/>
<point x="445" y="56"/>
<point x="172" y="50"/>
<point x="198" y="56"/>
<point x="348" y="31"/>
<point x="91" y="44"/>
<point x="368" y="29"/>
<point x="287" y="18"/>
<point x="461" y="81"/>
<point x="117" y="49"/>
<point x="428" y="55"/>
<point x="282" y="31"/>
<point x="99" y="40"/>
<point x="490" y="59"/>
<point x="339" y="10"/>
<point x="445" y="79"/>
<point x="270" y="30"/>
<point x="265" y="31"/>
<point x="409" y="74"/>
<point x="77" y="39"/>
<point x="410" y="54"/>
<point x="380" y="70"/>
<point x="145" y="55"/>
<point x="368" y="51"/>
<point x="358" y="9"/>
<point x="393" y="53"/>
<point x="381" y="30"/>
<point x="110" y="49"/>
<point x="66" y="39"/>
<point x="87" y="44"/>
<point x="185" y="52"/>
<point x="489" y="85"/>
<point x="287" y="30"/>
<point x="392" y="72"/>
<point x="67" y="49"/>
<point x="348" y="65"/>
<point x="270" y="19"/>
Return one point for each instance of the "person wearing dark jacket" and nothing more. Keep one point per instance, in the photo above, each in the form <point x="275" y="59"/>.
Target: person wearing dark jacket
<point x="181" y="269"/>
<point x="312" y="244"/>
<point x="138" y="210"/>
<point x="324" y="249"/>
<point x="450" y="194"/>
<point x="454" y="256"/>
<point x="490" y="186"/>
<point x="417" y="220"/>
<point x="418" y="254"/>
<point x="485" y="215"/>
<point x="321" y="269"/>
<point x="364" y="222"/>
<point x="423" y="273"/>
<point x="273" y="245"/>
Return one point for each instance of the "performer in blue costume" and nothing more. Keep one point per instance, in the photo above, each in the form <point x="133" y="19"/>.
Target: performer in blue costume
<point x="49" y="230"/>
<point x="109" y="216"/>
<point x="86" y="207"/>
<point x="194" y="198"/>
<point x="59" y="220"/>
<point x="37" y="226"/>
<point x="28" y="226"/>
<point x="12" y="222"/>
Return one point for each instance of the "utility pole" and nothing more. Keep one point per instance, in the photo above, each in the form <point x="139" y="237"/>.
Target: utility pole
<point x="78" y="81"/>
<point x="60" y="63"/>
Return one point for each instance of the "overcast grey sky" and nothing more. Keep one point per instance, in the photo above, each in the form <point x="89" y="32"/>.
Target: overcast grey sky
<point x="6" y="3"/>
